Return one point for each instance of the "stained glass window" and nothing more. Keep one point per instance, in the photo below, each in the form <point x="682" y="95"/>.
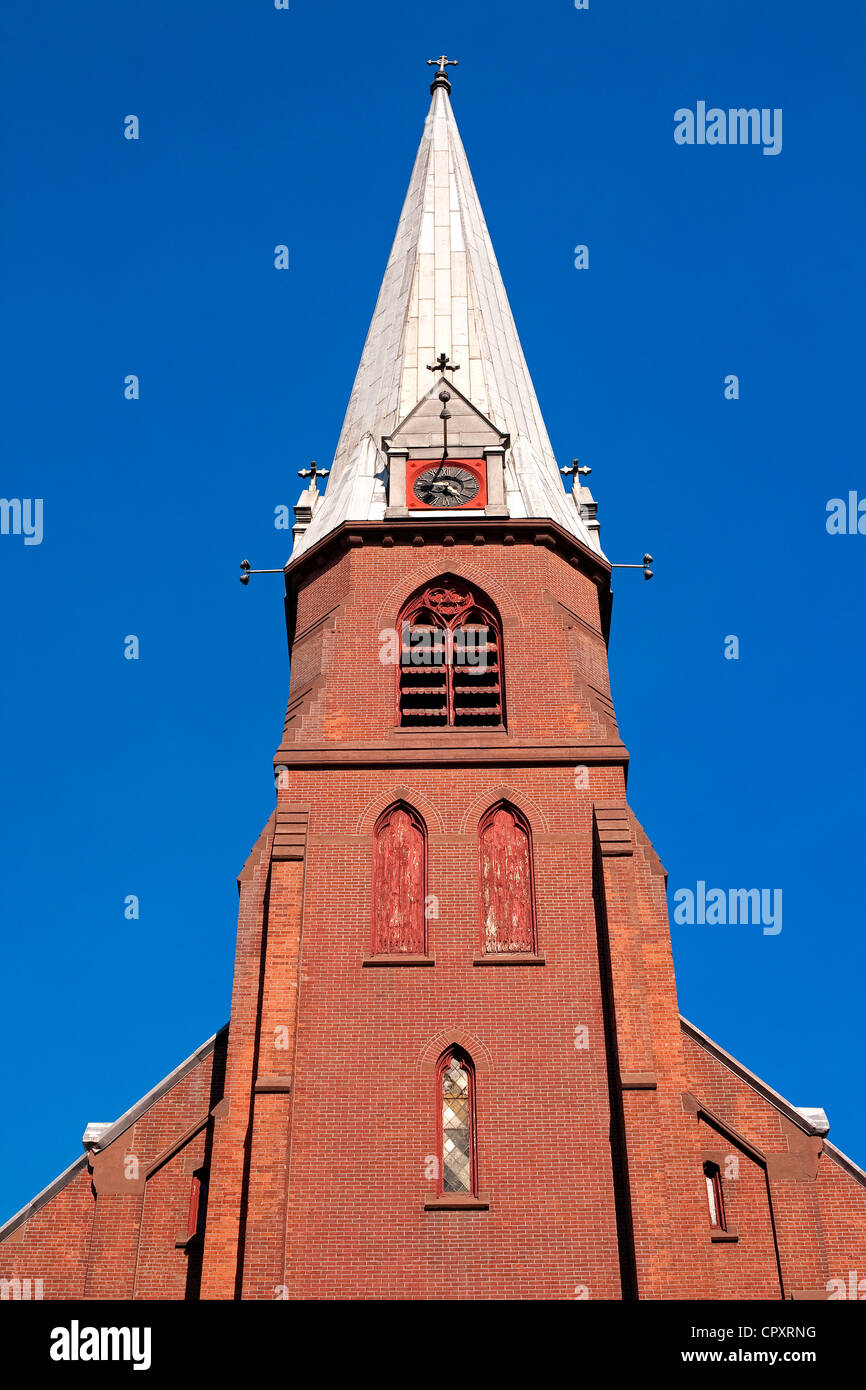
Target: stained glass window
<point x="457" y="1123"/>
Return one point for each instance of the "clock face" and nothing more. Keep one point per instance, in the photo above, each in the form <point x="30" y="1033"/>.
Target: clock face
<point x="446" y="485"/>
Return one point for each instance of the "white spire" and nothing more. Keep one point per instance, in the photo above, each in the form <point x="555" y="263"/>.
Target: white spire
<point x="442" y="292"/>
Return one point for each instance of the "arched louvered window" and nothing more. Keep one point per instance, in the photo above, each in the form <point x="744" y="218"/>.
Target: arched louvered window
<point x="455" y="1090"/>
<point x="399" y="882"/>
<point x="507" y="881"/>
<point x="450" y="672"/>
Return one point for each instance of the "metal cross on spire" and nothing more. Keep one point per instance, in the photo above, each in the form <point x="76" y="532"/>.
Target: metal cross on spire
<point x="575" y="469"/>
<point x="441" y="78"/>
<point x="442" y="63"/>
<point x="443" y="364"/>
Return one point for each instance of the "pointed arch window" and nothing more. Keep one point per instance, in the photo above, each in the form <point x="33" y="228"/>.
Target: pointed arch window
<point x="507" y="882"/>
<point x="455" y="1089"/>
<point x="399" y="882"/>
<point x="450" y="673"/>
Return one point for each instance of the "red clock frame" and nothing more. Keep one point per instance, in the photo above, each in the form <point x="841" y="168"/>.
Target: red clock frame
<point x="477" y="467"/>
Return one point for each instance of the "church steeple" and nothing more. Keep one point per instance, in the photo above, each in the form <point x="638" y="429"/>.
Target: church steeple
<point x="442" y="293"/>
<point x="455" y="1067"/>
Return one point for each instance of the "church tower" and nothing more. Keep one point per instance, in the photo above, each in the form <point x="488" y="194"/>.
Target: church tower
<point x="454" y="1063"/>
<point x="454" y="1067"/>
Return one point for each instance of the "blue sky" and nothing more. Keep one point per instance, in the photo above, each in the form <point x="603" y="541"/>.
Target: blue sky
<point x="155" y="257"/>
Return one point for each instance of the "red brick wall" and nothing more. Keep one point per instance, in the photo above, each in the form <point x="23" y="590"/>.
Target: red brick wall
<point x="53" y="1244"/>
<point x="842" y="1206"/>
<point x="230" y="1167"/>
<point x="364" y="1108"/>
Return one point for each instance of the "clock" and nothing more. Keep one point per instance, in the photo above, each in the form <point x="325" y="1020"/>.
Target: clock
<point x="445" y="484"/>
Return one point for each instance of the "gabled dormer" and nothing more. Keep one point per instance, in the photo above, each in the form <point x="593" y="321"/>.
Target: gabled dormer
<point x="446" y="456"/>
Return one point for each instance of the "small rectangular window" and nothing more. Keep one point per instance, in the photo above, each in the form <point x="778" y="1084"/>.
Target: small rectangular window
<point x="715" y="1198"/>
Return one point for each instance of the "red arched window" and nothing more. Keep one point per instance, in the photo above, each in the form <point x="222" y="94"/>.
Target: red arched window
<point x="507" y="881"/>
<point x="399" y="882"/>
<point x="455" y="1099"/>
<point x="450" y="672"/>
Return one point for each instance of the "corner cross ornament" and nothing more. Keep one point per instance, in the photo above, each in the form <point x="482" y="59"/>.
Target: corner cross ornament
<point x="442" y="363"/>
<point x="314" y="472"/>
<point x="442" y="63"/>
<point x="575" y="468"/>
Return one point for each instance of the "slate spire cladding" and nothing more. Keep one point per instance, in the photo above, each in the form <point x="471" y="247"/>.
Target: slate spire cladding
<point x="442" y="293"/>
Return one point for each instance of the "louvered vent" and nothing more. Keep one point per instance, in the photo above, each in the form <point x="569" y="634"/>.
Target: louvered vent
<point x="451" y="662"/>
<point x="424" y="693"/>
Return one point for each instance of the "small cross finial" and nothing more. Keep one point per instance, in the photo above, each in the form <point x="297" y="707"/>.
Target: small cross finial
<point x="314" y="472"/>
<point x="443" y="364"/>
<point x="574" y="470"/>
<point x="442" y="63"/>
<point x="441" y="78"/>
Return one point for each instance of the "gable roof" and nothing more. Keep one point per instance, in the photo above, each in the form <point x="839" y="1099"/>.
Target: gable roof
<point x="112" y="1132"/>
<point x="797" y="1115"/>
